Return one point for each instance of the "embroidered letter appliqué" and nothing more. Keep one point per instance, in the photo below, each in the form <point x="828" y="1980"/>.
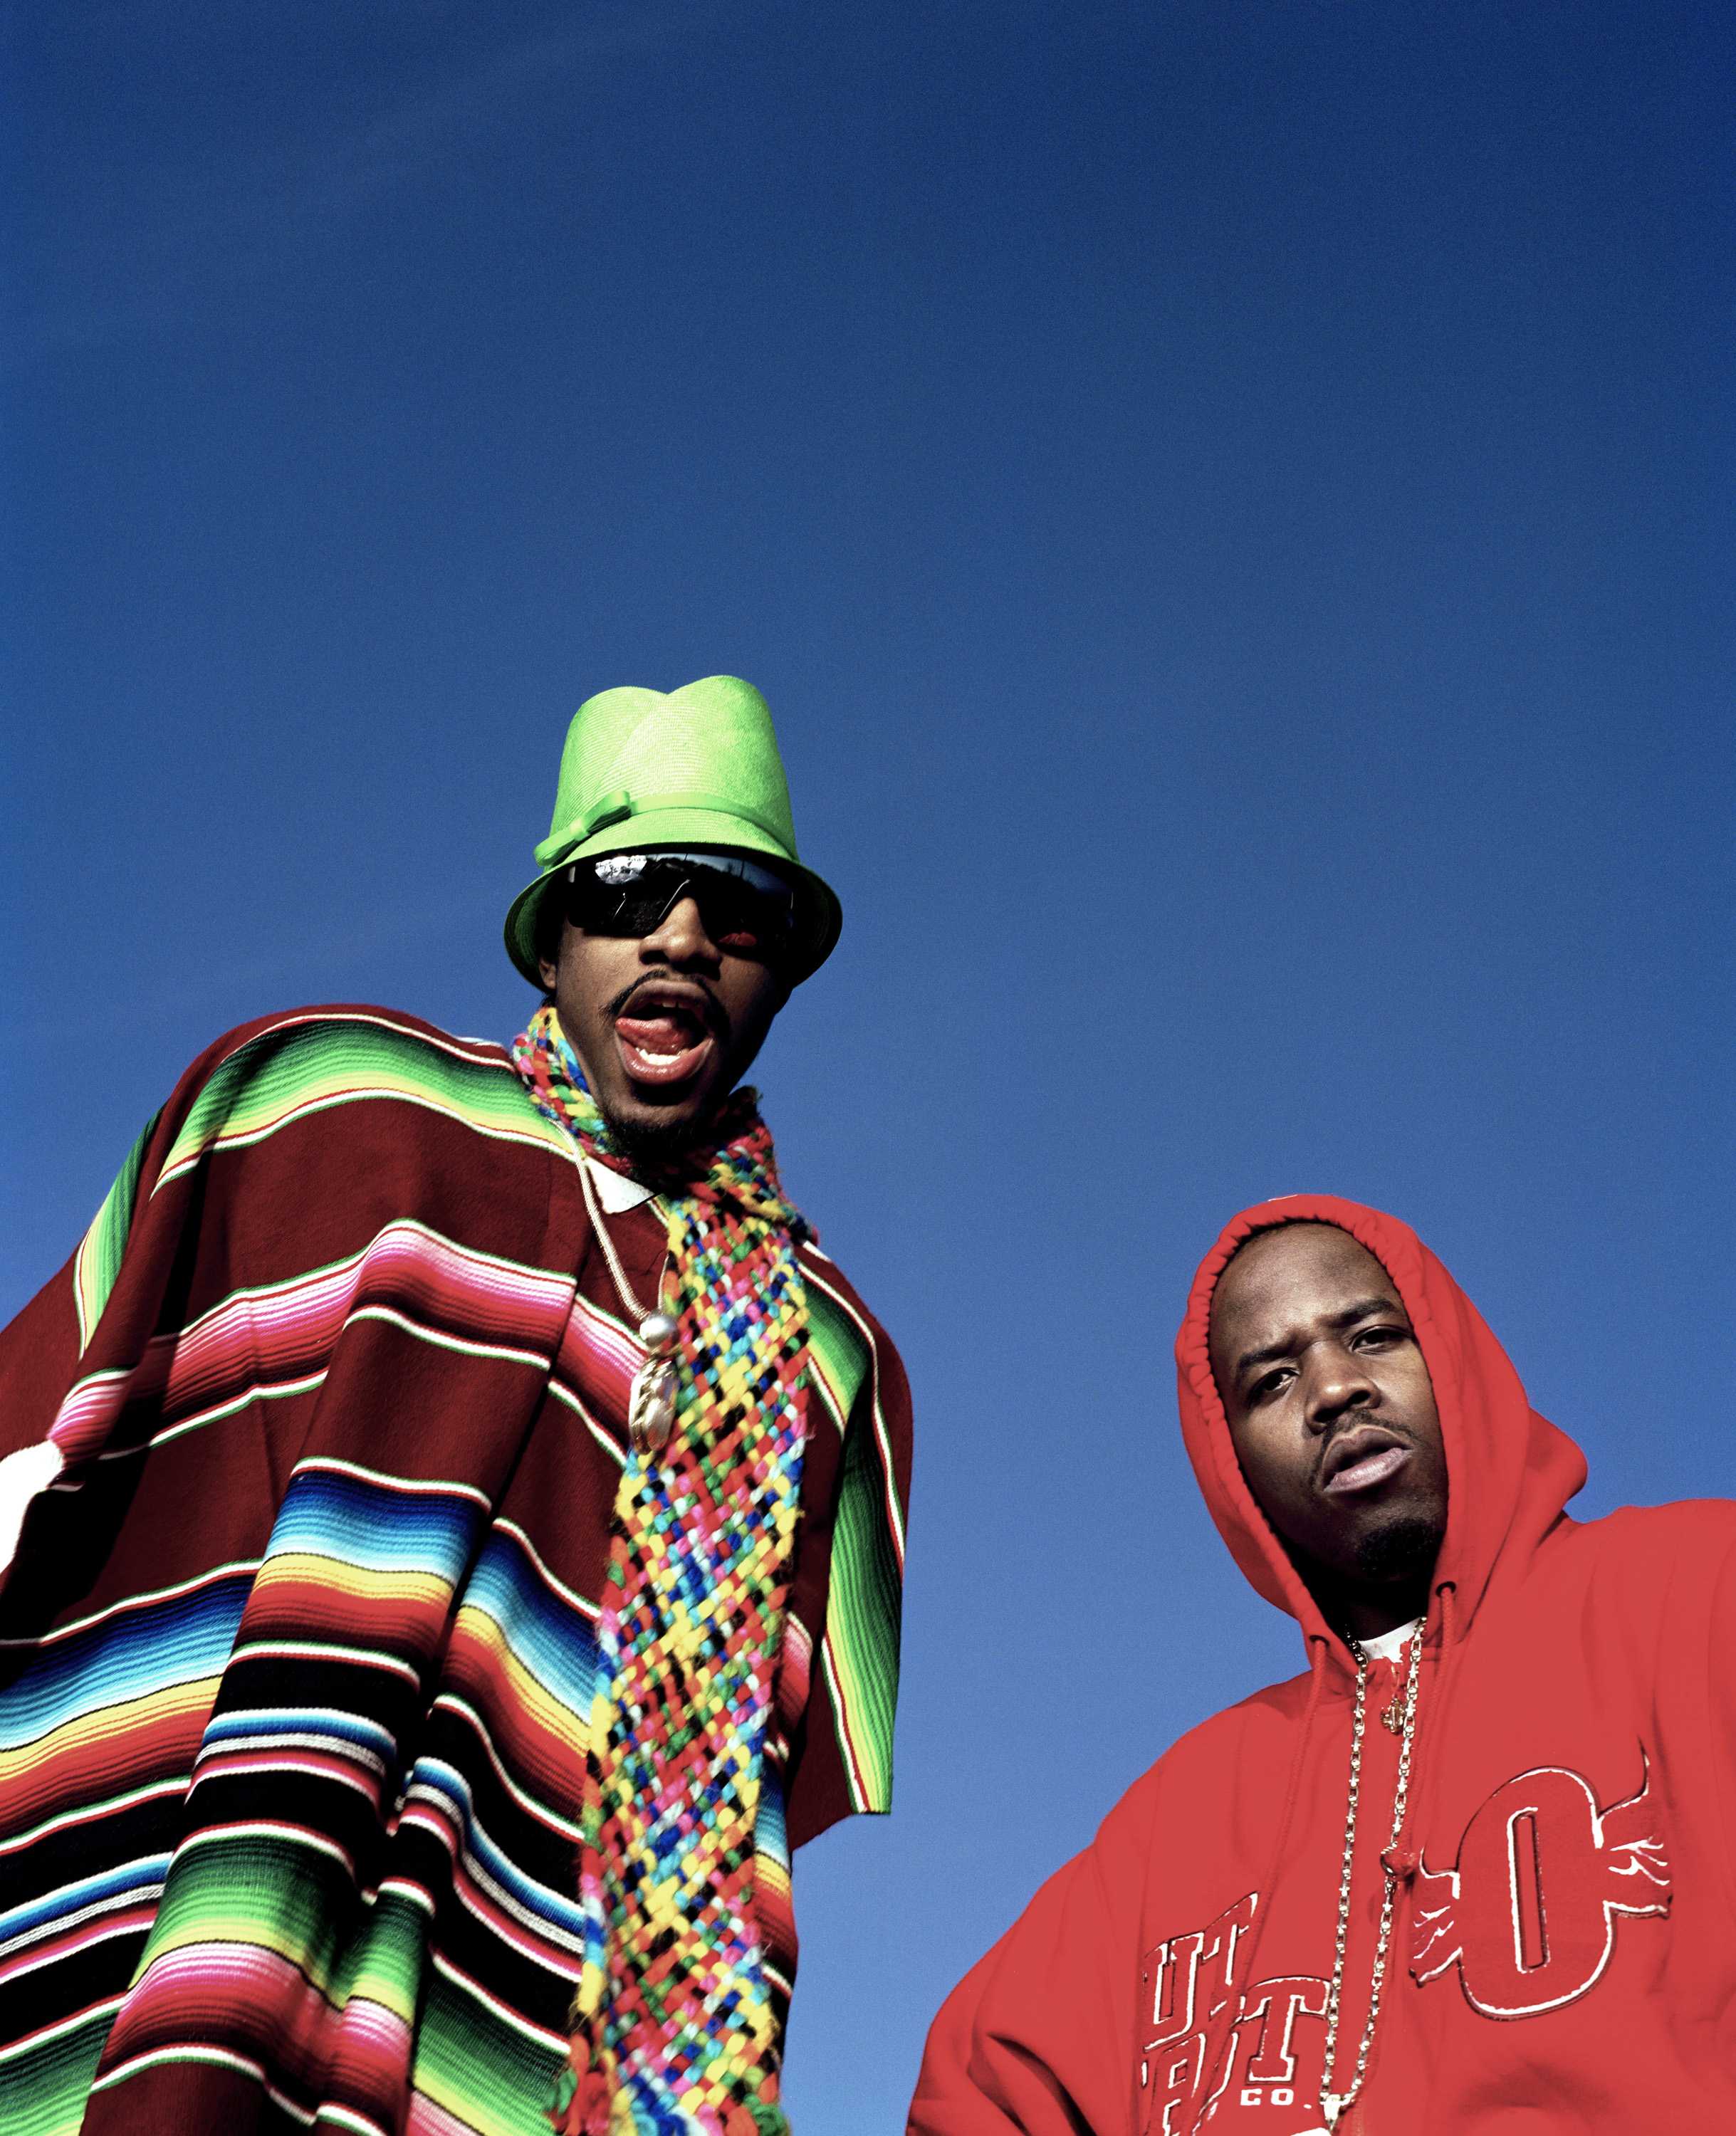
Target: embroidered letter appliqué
<point x="1529" y="1913"/>
<point x="1264" y="2052"/>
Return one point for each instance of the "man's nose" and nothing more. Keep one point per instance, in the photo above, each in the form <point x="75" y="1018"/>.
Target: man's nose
<point x="1337" y="1381"/>
<point x="679" y="937"/>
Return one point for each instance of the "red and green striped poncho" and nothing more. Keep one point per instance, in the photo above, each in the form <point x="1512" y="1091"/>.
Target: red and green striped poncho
<point x="297" y="1649"/>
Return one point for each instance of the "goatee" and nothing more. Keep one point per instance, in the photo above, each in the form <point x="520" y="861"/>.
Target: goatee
<point x="654" y="1148"/>
<point x="1402" y="1550"/>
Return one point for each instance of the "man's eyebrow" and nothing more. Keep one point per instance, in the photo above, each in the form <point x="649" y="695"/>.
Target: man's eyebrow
<point x="1347" y="1316"/>
<point x="1380" y="1301"/>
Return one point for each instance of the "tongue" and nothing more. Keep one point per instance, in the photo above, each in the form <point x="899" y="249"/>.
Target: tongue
<point x="661" y="1033"/>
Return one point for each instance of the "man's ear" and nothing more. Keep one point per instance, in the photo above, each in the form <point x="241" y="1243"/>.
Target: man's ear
<point x="550" y="933"/>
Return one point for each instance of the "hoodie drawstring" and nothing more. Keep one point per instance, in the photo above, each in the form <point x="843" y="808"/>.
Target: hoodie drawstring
<point x="1407" y="1855"/>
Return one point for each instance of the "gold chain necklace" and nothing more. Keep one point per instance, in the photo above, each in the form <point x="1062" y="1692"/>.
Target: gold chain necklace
<point x="651" y="1400"/>
<point x="1334" y="2103"/>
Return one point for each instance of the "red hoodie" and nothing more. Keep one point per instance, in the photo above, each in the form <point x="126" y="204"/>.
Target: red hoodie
<point x="1563" y="1953"/>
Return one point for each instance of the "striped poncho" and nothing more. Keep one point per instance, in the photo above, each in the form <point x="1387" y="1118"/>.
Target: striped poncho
<point x="298" y="1652"/>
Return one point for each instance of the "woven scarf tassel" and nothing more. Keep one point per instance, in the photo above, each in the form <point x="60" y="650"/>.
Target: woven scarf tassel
<point x="581" y="2101"/>
<point x="762" y="2117"/>
<point x="588" y="2109"/>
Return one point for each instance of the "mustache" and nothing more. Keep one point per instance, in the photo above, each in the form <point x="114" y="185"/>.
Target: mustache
<point x="712" y="1015"/>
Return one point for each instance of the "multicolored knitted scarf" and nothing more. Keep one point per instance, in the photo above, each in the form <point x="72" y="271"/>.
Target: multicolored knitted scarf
<point x="676" y="2030"/>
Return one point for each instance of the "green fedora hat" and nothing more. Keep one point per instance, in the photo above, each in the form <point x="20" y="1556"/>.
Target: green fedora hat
<point x="696" y="769"/>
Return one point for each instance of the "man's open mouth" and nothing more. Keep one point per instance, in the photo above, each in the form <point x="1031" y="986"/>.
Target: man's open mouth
<point x="665" y="1032"/>
<point x="1362" y="1459"/>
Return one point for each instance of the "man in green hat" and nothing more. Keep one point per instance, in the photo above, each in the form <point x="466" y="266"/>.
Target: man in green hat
<point x="455" y="1516"/>
<point x="660" y="797"/>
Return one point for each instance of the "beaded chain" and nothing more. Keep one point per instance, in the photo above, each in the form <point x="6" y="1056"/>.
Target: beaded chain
<point x="676" y="2027"/>
<point x="1334" y="2105"/>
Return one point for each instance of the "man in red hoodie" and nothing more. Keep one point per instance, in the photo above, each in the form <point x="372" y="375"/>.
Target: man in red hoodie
<point x="1476" y="1871"/>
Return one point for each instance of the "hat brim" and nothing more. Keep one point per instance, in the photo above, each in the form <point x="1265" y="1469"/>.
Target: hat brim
<point x="819" y="916"/>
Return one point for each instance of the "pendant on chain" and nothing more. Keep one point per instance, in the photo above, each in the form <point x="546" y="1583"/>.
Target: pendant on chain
<point x="651" y="1402"/>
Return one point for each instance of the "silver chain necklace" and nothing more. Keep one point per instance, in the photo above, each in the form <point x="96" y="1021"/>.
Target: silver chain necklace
<point x="656" y="1385"/>
<point x="1334" y="2105"/>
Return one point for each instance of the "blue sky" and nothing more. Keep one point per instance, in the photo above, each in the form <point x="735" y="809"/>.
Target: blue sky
<point x="1230" y="506"/>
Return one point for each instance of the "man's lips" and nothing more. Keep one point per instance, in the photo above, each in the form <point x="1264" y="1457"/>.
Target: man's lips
<point x="1361" y="1459"/>
<point x="666" y="1031"/>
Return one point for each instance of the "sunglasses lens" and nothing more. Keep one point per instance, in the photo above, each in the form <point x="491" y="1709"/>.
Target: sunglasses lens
<point x="637" y="910"/>
<point x="743" y="920"/>
<point x="746" y="910"/>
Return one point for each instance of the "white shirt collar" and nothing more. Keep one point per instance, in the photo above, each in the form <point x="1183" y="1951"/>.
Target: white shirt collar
<point x="1388" y="1646"/>
<point x="614" y="1189"/>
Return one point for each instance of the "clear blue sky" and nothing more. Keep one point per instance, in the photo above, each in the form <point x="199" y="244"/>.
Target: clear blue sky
<point x="1230" y="503"/>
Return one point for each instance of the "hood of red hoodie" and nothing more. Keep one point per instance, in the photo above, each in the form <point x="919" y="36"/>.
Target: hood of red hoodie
<point x="1509" y="1472"/>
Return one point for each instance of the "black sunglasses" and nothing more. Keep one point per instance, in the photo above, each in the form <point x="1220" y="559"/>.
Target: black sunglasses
<point x="746" y="909"/>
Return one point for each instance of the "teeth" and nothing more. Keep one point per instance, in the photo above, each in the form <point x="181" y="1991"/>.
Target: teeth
<point x="659" y="1059"/>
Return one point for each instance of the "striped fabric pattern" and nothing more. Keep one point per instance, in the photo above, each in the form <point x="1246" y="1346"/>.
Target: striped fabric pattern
<point x="297" y="1656"/>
